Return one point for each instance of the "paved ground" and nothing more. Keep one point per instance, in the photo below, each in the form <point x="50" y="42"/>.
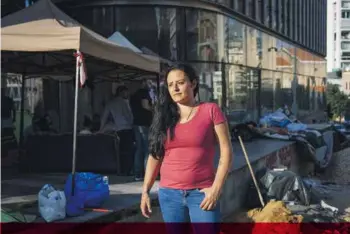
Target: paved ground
<point x="339" y="173"/>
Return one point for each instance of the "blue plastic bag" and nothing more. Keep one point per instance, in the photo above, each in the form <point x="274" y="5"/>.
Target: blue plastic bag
<point x="91" y="190"/>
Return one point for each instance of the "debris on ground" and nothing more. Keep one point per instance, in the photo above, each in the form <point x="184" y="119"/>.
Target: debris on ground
<point x="281" y="185"/>
<point x="285" y="186"/>
<point x="324" y="198"/>
<point x="346" y="218"/>
<point x="274" y="212"/>
<point x="317" y="213"/>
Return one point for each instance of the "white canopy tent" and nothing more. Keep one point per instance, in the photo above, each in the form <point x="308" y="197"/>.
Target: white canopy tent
<point x="43" y="27"/>
<point x="119" y="38"/>
<point x="42" y="40"/>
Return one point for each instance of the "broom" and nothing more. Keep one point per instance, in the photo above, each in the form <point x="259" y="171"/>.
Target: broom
<point x="251" y="171"/>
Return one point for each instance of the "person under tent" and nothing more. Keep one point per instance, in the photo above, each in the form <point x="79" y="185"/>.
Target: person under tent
<point x="117" y="117"/>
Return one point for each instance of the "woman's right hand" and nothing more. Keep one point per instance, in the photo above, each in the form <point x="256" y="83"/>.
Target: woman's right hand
<point x="145" y="205"/>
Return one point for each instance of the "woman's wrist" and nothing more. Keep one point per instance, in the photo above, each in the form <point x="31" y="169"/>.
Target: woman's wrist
<point x="145" y="191"/>
<point x="216" y="188"/>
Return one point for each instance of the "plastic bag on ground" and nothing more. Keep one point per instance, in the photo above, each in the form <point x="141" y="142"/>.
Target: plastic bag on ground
<point x="285" y="186"/>
<point x="52" y="203"/>
<point x="90" y="190"/>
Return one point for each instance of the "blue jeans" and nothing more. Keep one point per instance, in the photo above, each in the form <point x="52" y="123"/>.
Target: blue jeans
<point x="141" y="154"/>
<point x="182" y="206"/>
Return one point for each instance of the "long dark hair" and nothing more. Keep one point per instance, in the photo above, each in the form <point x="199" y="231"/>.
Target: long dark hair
<point x="166" y="113"/>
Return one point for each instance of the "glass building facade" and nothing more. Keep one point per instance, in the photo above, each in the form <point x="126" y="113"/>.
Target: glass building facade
<point x="250" y="54"/>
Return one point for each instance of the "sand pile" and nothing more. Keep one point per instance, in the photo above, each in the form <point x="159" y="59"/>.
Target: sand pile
<point x="274" y="212"/>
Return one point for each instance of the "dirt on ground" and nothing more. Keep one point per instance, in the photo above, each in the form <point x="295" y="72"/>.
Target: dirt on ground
<point x="339" y="169"/>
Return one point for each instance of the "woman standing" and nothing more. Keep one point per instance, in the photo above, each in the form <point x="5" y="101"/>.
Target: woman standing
<point x="182" y="138"/>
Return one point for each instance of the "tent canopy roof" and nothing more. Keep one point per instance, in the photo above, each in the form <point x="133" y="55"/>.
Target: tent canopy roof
<point x="53" y="35"/>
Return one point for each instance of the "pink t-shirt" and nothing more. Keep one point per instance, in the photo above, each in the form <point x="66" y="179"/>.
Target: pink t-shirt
<point x="189" y="158"/>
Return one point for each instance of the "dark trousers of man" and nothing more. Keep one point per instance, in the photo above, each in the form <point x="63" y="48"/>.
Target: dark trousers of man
<point x="127" y="150"/>
<point x="9" y="147"/>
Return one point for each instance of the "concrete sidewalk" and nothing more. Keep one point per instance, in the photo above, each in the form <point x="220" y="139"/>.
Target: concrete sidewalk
<point x="124" y="198"/>
<point x="125" y="193"/>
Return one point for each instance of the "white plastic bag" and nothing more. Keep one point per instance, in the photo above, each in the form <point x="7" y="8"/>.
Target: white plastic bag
<point x="52" y="203"/>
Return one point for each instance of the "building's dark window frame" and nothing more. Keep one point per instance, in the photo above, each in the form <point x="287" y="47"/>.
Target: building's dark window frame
<point x="295" y="20"/>
<point x="239" y="6"/>
<point x="311" y="36"/>
<point x="320" y="30"/>
<point x="267" y="14"/>
<point x="280" y="14"/>
<point x="324" y="22"/>
<point x="273" y="15"/>
<point x="311" y="25"/>
<point x="303" y="22"/>
<point x="284" y="17"/>
<point x="250" y="9"/>
<point x="291" y="21"/>
<point x="315" y="24"/>
<point x="300" y="22"/>
<point x="259" y="11"/>
<point x="306" y="5"/>
<point x="291" y="38"/>
<point x="318" y="25"/>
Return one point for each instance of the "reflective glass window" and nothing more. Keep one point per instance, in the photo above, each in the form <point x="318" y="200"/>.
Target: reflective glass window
<point x="203" y="35"/>
<point x="236" y="42"/>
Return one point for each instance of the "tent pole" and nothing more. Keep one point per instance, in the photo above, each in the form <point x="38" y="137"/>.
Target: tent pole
<point x="21" y="126"/>
<point x="158" y="85"/>
<point x="75" y="121"/>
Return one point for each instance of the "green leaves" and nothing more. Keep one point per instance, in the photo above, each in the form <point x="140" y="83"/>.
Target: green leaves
<point x="337" y="100"/>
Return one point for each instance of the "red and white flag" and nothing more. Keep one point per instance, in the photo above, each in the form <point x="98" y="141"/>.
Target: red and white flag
<point x="81" y="66"/>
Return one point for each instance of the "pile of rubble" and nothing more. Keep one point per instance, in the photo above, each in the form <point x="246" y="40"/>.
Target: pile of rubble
<point x="290" y="198"/>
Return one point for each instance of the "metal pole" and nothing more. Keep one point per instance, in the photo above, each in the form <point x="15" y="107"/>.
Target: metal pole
<point x="294" y="86"/>
<point x="75" y="121"/>
<point x="21" y="126"/>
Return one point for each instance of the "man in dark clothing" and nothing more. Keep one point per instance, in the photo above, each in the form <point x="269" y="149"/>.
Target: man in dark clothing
<point x="141" y="105"/>
<point x="8" y="118"/>
<point x="8" y="110"/>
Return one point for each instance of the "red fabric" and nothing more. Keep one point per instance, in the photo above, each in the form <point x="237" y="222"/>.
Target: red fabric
<point x="189" y="158"/>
